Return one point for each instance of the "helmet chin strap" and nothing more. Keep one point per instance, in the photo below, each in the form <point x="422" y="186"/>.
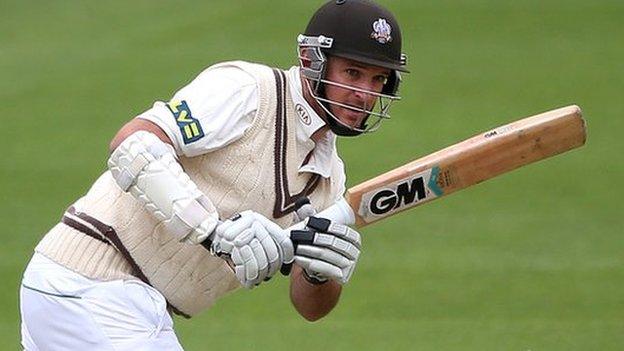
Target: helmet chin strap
<point x="339" y="129"/>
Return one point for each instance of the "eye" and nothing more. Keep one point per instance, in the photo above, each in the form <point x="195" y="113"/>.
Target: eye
<point x="352" y="73"/>
<point x="381" y="79"/>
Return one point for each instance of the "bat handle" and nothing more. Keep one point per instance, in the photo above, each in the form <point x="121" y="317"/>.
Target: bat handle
<point x="304" y="209"/>
<point x="339" y="212"/>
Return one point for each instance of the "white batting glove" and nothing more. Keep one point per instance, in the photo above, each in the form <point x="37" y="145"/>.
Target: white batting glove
<point x="256" y="246"/>
<point x="326" y="250"/>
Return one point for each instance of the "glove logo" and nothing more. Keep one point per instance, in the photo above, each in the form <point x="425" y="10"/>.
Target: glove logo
<point x="190" y="128"/>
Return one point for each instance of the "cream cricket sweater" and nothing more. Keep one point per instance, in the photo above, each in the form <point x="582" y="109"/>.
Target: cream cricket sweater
<point x="258" y="171"/>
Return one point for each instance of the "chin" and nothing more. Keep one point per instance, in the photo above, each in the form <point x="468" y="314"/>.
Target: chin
<point x="348" y="121"/>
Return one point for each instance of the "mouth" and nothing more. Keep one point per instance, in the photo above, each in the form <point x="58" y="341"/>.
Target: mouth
<point x="352" y="118"/>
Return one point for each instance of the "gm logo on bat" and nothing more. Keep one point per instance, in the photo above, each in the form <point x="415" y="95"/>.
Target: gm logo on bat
<point x="400" y="195"/>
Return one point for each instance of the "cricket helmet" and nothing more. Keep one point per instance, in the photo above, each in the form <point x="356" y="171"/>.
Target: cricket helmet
<point x="360" y="30"/>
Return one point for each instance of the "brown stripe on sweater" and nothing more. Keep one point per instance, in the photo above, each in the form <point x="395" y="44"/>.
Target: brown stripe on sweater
<point x="284" y="201"/>
<point x="83" y="229"/>
<point x="109" y="233"/>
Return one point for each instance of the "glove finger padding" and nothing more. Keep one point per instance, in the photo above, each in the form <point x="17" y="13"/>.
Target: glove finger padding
<point x="306" y="237"/>
<point x="270" y="249"/>
<point x="231" y="228"/>
<point x="257" y="246"/>
<point x="222" y="244"/>
<point x="324" y="254"/>
<point x="340" y="230"/>
<point x="327" y="250"/>
<point x="245" y="265"/>
<point x="342" y="246"/>
<point x="244" y="238"/>
<point x="261" y="261"/>
<point x="281" y="238"/>
<point x="318" y="267"/>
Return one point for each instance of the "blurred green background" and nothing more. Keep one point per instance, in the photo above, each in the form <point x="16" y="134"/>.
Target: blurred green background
<point x="533" y="260"/>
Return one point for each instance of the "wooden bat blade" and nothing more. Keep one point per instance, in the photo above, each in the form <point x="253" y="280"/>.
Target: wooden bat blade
<point x="469" y="162"/>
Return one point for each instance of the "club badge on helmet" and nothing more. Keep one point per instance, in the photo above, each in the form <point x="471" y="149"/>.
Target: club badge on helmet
<point x="358" y="30"/>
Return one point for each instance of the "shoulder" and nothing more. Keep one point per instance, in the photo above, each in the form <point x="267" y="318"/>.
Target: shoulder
<point x="214" y="109"/>
<point x="229" y="80"/>
<point x="223" y="88"/>
<point x="236" y="72"/>
<point x="223" y="76"/>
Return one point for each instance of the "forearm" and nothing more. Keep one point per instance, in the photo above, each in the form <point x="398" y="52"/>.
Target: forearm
<point x="312" y="301"/>
<point x="145" y="166"/>
<point x="135" y="125"/>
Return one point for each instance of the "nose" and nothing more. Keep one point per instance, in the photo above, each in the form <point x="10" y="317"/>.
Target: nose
<point x="362" y="95"/>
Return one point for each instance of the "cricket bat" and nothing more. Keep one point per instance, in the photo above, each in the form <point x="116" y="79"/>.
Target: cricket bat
<point x="460" y="166"/>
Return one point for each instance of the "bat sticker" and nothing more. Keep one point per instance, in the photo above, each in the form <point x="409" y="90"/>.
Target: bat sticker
<point x="402" y="194"/>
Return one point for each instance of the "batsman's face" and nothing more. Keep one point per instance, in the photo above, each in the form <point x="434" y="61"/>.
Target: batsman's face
<point x="358" y="75"/>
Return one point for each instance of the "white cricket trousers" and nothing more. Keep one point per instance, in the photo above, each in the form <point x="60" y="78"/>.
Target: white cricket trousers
<point x="63" y="310"/>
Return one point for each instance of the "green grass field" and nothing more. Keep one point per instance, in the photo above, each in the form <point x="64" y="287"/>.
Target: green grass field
<point x="532" y="260"/>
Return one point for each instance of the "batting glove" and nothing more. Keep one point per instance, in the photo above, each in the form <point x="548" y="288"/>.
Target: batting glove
<point x="256" y="246"/>
<point x="326" y="250"/>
